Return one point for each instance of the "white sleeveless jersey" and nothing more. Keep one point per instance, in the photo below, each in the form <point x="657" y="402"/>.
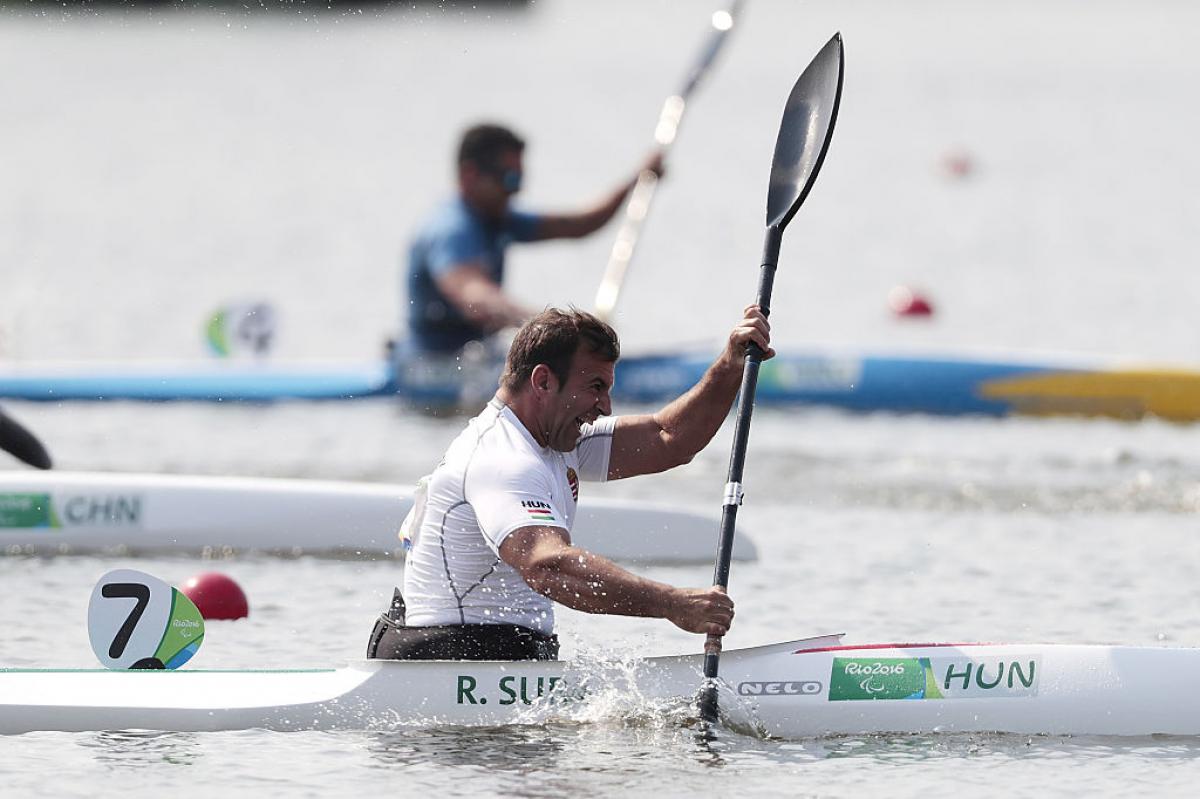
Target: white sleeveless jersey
<point x="494" y="479"/>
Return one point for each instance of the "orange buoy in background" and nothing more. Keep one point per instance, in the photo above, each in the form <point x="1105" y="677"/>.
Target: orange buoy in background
<point x="905" y="302"/>
<point x="216" y="596"/>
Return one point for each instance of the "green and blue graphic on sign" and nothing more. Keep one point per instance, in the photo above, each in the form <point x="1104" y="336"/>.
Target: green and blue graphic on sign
<point x="241" y="328"/>
<point x="816" y="373"/>
<point x="22" y="511"/>
<point x="933" y="678"/>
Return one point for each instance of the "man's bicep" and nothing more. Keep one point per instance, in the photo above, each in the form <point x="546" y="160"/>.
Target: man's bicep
<point x="525" y="547"/>
<point x="526" y="226"/>
<point x="450" y="249"/>
<point x="639" y="446"/>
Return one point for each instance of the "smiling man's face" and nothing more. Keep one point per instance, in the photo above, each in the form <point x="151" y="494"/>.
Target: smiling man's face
<point x="583" y="398"/>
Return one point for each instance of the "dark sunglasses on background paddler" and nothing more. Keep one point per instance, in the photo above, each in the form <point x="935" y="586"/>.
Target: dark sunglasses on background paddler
<point x="509" y="179"/>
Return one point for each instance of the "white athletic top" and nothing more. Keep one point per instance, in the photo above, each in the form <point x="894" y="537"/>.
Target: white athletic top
<point x="494" y="479"/>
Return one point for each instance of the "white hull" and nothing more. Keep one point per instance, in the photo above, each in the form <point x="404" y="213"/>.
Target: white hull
<point x="796" y="689"/>
<point x="64" y="512"/>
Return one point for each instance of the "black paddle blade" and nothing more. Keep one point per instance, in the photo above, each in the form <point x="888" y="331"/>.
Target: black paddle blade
<point x="805" y="133"/>
<point x="22" y="444"/>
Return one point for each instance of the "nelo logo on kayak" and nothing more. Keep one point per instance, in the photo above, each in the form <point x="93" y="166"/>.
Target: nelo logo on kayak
<point x="780" y="688"/>
<point x="934" y="678"/>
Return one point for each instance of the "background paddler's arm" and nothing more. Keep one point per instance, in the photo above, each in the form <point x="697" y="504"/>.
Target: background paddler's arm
<point x="477" y="297"/>
<point x="582" y="223"/>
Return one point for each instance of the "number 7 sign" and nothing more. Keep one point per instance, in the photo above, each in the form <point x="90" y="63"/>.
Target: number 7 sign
<point x="136" y="621"/>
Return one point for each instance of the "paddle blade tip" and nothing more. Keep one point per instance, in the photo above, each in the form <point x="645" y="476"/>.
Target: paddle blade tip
<point x="805" y="132"/>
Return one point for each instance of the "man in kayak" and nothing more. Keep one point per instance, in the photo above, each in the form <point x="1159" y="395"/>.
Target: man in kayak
<point x="490" y="530"/>
<point x="456" y="260"/>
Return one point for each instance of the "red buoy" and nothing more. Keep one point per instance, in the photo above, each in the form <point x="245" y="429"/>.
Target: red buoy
<point x="216" y="596"/>
<point x="958" y="165"/>
<point x="906" y="302"/>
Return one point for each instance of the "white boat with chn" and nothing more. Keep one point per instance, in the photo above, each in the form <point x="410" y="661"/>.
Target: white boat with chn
<point x="47" y="513"/>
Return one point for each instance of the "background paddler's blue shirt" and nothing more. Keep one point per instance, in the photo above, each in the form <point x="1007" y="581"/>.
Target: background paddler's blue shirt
<point x="454" y="235"/>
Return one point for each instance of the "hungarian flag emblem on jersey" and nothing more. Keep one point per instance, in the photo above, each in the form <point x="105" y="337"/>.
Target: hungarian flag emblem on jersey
<point x="538" y="510"/>
<point x="573" y="482"/>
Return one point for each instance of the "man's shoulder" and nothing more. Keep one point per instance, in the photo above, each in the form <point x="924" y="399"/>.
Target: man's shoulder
<point x="448" y="217"/>
<point x="446" y="220"/>
<point x="449" y="236"/>
<point x="491" y="431"/>
<point x="505" y="438"/>
<point x="499" y="446"/>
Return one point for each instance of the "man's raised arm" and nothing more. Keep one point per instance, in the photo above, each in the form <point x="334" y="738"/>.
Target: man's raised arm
<point x="671" y="437"/>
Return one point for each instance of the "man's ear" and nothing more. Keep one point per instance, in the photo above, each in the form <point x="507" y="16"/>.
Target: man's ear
<point x="468" y="174"/>
<point x="543" y="378"/>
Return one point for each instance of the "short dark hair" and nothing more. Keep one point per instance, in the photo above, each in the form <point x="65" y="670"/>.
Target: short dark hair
<point x="482" y="145"/>
<point x="552" y="338"/>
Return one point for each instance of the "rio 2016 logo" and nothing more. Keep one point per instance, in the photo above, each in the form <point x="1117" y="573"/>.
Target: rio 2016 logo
<point x="872" y="674"/>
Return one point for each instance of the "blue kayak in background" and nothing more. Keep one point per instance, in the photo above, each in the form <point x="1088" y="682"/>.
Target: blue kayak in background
<point x="941" y="384"/>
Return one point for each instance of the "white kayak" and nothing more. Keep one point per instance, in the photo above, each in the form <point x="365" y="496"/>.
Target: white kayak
<point x="83" y="512"/>
<point x="797" y="689"/>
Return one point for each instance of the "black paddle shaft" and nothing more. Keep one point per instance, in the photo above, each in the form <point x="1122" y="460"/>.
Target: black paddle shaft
<point x="741" y="442"/>
<point x="804" y="136"/>
<point x="741" y="430"/>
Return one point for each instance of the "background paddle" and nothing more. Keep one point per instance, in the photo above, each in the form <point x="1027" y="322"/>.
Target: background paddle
<point x="640" y="198"/>
<point x="22" y="444"/>
<point x="804" y="136"/>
